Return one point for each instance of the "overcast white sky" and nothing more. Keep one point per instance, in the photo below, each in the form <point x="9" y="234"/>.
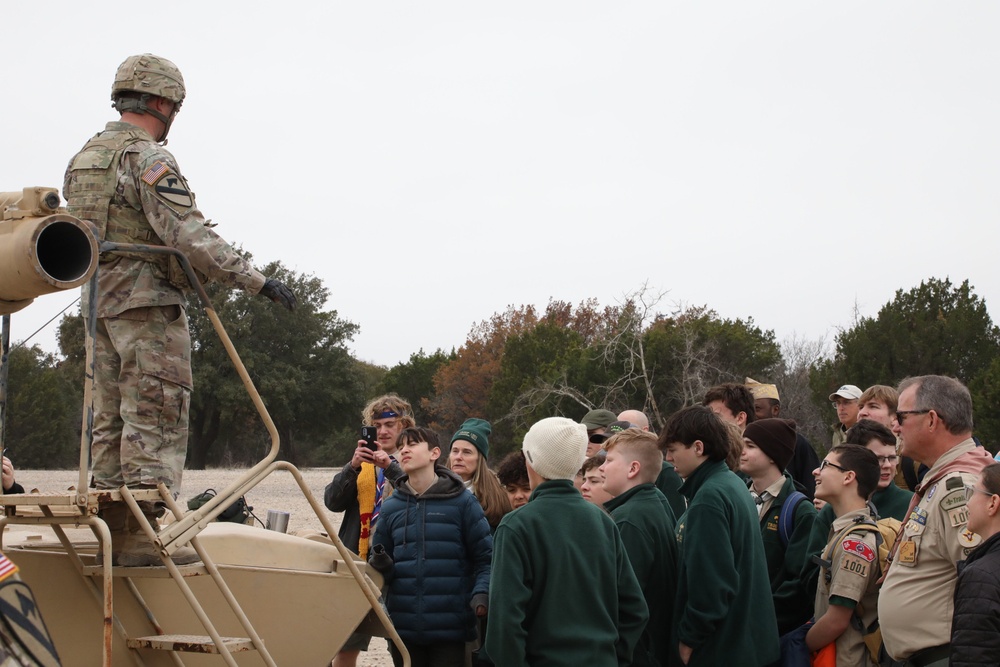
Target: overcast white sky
<point x="434" y="162"/>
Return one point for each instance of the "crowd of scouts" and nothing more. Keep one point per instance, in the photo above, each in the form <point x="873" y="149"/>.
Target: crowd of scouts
<point x="712" y="543"/>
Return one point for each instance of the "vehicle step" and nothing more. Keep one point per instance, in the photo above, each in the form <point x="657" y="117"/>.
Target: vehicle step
<point x="190" y="643"/>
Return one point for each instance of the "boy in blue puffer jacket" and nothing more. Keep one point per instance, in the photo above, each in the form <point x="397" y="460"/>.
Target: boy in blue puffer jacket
<point x="435" y="531"/>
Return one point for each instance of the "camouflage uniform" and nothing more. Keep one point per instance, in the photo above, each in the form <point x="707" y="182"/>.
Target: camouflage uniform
<point x="129" y="186"/>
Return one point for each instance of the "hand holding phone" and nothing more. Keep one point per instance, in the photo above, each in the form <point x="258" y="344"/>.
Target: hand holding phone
<point x="370" y="435"/>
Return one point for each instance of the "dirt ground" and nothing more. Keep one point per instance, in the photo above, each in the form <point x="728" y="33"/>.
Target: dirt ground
<point x="278" y="492"/>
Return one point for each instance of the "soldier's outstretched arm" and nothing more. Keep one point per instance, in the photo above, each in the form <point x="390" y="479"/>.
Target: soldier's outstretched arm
<point x="278" y="292"/>
<point x="158" y="189"/>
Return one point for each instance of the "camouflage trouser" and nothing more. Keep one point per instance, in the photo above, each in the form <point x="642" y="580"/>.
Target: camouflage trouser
<point x="142" y="393"/>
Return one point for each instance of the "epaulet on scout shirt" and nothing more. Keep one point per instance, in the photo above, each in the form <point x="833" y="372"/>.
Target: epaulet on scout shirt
<point x="168" y="185"/>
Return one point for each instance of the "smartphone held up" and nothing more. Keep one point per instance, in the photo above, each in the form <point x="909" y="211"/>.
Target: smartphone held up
<point x="370" y="435"/>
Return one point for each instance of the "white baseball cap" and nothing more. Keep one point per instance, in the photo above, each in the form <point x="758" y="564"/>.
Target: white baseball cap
<point x="846" y="391"/>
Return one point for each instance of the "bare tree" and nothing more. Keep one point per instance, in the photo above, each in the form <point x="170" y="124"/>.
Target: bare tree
<point x="626" y="347"/>
<point x="799" y="356"/>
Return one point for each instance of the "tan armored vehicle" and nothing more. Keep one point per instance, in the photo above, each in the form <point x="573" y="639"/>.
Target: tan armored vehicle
<point x="259" y="597"/>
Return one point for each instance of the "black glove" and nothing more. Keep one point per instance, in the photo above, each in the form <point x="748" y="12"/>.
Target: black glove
<point x="381" y="561"/>
<point x="276" y="291"/>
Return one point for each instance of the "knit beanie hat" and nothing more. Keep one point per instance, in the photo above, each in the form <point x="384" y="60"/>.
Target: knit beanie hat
<point x="476" y="431"/>
<point x="555" y="447"/>
<point x="775" y="437"/>
<point x="598" y="419"/>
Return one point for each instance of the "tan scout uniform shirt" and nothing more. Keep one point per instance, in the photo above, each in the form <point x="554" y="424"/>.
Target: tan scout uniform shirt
<point x="853" y="577"/>
<point x="772" y="492"/>
<point x="917" y="599"/>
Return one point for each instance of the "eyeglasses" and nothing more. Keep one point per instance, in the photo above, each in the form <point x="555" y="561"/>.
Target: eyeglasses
<point x="887" y="459"/>
<point x="971" y="489"/>
<point x="824" y="463"/>
<point x="901" y="414"/>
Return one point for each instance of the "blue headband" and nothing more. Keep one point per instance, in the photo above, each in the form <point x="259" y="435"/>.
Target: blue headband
<point x="388" y="414"/>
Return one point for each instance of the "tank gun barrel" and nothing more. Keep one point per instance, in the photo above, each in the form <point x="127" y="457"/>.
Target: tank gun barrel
<point x="43" y="249"/>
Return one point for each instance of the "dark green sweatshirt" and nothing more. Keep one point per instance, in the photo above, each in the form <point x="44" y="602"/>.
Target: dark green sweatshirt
<point x="646" y="524"/>
<point x="562" y="589"/>
<point x="669" y="484"/>
<point x="723" y="608"/>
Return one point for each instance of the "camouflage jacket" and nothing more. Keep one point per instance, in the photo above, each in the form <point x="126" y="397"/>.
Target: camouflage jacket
<point x="129" y="186"/>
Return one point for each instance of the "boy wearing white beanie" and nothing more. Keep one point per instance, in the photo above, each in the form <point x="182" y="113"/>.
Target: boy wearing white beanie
<point x="547" y="560"/>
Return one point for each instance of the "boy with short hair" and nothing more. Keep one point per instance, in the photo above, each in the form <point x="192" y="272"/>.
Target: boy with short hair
<point x="646" y="524"/>
<point x="513" y="477"/>
<point x="557" y="555"/>
<point x="592" y="488"/>
<point x="768" y="446"/>
<point x="723" y="611"/>
<point x="438" y="538"/>
<point x="888" y="499"/>
<point x="848" y="578"/>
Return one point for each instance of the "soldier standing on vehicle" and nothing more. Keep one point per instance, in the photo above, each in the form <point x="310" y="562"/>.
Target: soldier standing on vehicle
<point x="129" y="186"/>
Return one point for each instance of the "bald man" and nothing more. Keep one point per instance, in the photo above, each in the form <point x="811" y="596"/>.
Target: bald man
<point x="636" y="418"/>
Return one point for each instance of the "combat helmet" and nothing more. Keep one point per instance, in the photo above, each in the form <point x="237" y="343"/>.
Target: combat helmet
<point x="149" y="76"/>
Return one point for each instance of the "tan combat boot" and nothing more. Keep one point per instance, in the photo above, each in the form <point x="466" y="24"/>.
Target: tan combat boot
<point x="140" y="552"/>
<point x="115" y="516"/>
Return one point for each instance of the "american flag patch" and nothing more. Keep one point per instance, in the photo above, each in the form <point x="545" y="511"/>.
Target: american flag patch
<point x="7" y="568"/>
<point x="154" y="173"/>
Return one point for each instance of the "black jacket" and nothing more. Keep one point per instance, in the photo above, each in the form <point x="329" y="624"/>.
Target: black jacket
<point x="975" y="627"/>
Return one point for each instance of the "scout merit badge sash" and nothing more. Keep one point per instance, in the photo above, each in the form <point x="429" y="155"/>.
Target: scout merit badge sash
<point x="371" y="491"/>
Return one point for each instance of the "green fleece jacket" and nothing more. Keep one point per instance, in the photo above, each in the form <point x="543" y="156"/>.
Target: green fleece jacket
<point x="669" y="484"/>
<point x="787" y="567"/>
<point x="723" y="608"/>
<point x="646" y="524"/>
<point x="563" y="592"/>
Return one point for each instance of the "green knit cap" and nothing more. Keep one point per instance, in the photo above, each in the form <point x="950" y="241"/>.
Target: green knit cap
<point x="476" y="431"/>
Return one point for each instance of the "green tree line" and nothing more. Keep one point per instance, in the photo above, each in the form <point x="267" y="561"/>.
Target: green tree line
<point x="519" y="366"/>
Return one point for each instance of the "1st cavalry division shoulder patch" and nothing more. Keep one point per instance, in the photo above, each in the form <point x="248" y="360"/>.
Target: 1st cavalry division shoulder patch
<point x="167" y="185"/>
<point x="21" y="622"/>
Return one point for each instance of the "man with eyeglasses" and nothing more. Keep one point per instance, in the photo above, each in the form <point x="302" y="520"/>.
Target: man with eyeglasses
<point x="845" y="402"/>
<point x="934" y="427"/>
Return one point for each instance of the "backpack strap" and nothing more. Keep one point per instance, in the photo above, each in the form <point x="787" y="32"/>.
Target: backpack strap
<point x="862" y="524"/>
<point x="910" y="473"/>
<point x="786" y="518"/>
